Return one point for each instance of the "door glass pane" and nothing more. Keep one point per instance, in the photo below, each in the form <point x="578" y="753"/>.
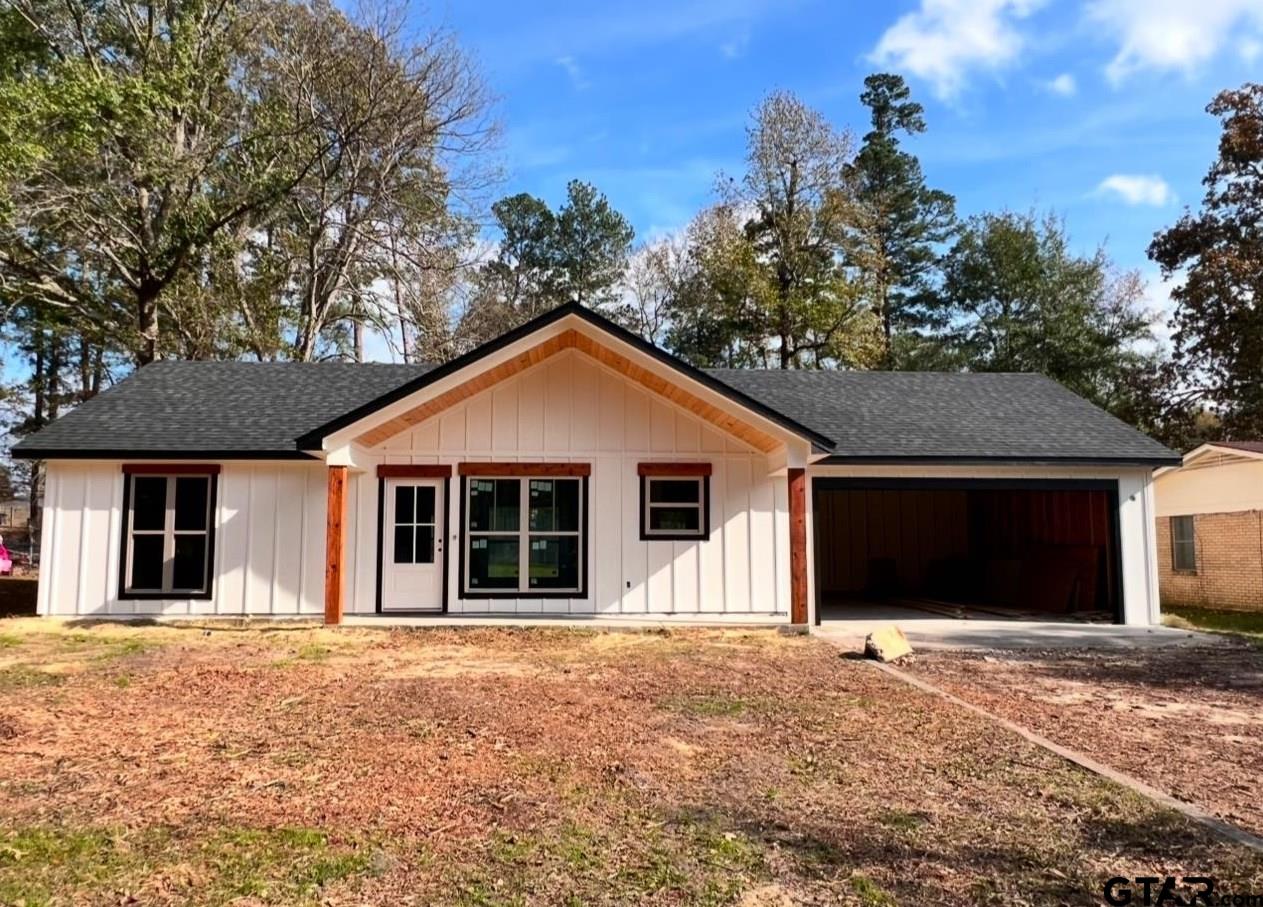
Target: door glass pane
<point x="674" y="519"/>
<point x="674" y="491"/>
<point x="425" y="504"/>
<point x="404" y="504"/>
<point x="403" y="544"/>
<point x="190" y="502"/>
<point x="425" y="545"/>
<point x="149" y="502"/>
<point x="554" y="562"/>
<point x="189" y="569"/>
<point x="493" y="563"/>
<point x="146" y="562"/>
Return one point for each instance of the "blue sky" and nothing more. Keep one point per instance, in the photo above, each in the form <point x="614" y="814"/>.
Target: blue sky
<point x="1092" y="109"/>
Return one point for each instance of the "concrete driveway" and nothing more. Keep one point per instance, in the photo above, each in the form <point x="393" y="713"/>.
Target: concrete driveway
<point x="930" y="631"/>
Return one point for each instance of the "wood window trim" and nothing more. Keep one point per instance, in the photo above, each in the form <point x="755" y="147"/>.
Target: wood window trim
<point x="211" y="472"/>
<point x="462" y="590"/>
<point x="703" y="533"/>
<point x="674" y="469"/>
<point x="500" y="470"/>
<point x="414" y="471"/>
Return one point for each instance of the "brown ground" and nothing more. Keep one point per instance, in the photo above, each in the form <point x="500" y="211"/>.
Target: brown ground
<point x="163" y="765"/>
<point x="1188" y="721"/>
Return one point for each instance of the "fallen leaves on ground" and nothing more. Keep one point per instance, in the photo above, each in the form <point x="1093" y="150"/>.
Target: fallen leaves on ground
<point x="487" y="766"/>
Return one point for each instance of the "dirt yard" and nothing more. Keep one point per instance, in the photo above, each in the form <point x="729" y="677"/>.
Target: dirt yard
<point x="174" y="765"/>
<point x="1186" y="720"/>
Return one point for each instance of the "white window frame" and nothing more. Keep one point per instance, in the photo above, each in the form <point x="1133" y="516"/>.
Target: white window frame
<point x="648" y="506"/>
<point x="169" y="534"/>
<point x="523" y="533"/>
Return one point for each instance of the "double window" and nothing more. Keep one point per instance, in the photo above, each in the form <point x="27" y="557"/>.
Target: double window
<point x="1183" y="545"/>
<point x="524" y="535"/>
<point x="674" y="501"/>
<point x="168" y="536"/>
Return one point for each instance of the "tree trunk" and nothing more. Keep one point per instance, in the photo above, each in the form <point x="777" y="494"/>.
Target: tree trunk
<point x="147" y="321"/>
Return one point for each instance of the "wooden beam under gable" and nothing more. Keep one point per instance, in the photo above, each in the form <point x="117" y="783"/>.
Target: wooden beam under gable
<point x="572" y="339"/>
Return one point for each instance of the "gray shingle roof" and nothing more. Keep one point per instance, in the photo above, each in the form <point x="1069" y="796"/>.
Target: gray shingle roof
<point x="224" y="409"/>
<point x="217" y="407"/>
<point x="938" y="415"/>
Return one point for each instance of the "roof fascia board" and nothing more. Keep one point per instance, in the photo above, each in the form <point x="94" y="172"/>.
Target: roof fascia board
<point x="1122" y="462"/>
<point x="1213" y="448"/>
<point x="425" y="390"/>
<point x="105" y="453"/>
<point x="350" y="424"/>
<point x="597" y="331"/>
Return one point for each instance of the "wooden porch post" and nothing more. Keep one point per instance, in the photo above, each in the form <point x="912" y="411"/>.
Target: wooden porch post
<point x="797" y="546"/>
<point x="334" y="520"/>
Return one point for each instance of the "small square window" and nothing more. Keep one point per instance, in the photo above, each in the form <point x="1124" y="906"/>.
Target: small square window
<point x="1183" y="545"/>
<point x="674" y="507"/>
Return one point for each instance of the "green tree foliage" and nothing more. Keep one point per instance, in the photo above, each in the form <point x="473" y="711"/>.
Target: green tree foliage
<point x="164" y="139"/>
<point x="896" y="223"/>
<point x="775" y="293"/>
<point x="1022" y="301"/>
<point x="547" y="258"/>
<point x="1218" y="319"/>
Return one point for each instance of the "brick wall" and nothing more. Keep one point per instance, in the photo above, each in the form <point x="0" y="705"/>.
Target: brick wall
<point x="1229" y="562"/>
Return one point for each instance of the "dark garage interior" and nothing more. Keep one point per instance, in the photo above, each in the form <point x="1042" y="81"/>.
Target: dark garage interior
<point x="969" y="548"/>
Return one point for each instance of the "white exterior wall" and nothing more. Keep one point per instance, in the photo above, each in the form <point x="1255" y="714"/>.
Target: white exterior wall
<point x="1135" y="520"/>
<point x="570" y="408"/>
<point x="269" y="542"/>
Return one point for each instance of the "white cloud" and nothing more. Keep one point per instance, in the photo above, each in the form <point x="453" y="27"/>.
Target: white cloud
<point x="573" y="70"/>
<point x="1250" y="49"/>
<point x="1173" y="34"/>
<point x="1137" y="189"/>
<point x="945" y="40"/>
<point x="1063" y="85"/>
<point x="735" y="47"/>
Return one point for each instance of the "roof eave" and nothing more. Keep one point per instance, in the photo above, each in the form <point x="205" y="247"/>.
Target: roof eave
<point x="1146" y="462"/>
<point x="314" y="440"/>
<point x="115" y="453"/>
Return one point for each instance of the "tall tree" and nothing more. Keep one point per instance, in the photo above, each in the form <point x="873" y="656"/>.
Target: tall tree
<point x="547" y="258"/>
<point x="169" y="136"/>
<point x="1218" y="319"/>
<point x="896" y="222"/>
<point x="780" y="286"/>
<point x="1022" y="301"/>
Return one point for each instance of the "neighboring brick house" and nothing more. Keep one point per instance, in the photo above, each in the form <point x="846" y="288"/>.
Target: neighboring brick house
<point x="1210" y="527"/>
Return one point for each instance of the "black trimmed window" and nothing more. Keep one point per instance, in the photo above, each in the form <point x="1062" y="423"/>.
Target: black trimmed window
<point x="673" y="506"/>
<point x="168" y="535"/>
<point x="1183" y="545"/>
<point x="524" y="536"/>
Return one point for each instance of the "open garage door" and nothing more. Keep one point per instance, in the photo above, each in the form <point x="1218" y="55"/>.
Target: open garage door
<point x="974" y="548"/>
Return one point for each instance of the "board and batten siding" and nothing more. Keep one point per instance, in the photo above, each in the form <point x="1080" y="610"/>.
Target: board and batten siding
<point x="269" y="542"/>
<point x="571" y="408"/>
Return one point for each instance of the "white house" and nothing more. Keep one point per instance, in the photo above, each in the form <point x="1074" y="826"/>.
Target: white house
<point x="570" y="468"/>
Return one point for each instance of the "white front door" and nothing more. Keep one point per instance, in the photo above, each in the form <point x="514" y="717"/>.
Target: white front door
<point x="412" y="545"/>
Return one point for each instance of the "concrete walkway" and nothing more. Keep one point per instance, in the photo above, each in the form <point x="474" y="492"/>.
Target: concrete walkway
<point x="847" y="628"/>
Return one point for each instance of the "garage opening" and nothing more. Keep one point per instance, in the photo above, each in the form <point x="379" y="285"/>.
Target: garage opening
<point x="970" y="548"/>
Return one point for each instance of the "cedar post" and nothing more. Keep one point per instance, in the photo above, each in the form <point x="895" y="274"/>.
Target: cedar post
<point x="334" y="520"/>
<point x="797" y="546"/>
